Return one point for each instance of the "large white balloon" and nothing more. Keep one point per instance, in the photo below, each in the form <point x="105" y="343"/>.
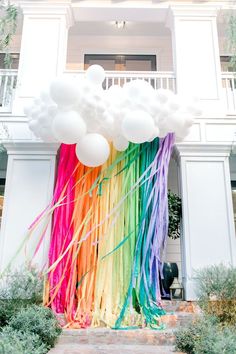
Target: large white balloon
<point x="93" y="150"/>
<point x="137" y="88"/>
<point x="95" y="74"/>
<point x="64" y="92"/>
<point x="138" y="126"/>
<point x="68" y="127"/>
<point x="120" y="143"/>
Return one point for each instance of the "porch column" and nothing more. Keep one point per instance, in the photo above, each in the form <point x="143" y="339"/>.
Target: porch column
<point x="43" y="47"/>
<point x="208" y="223"/>
<point x="29" y="189"/>
<point x="196" y="55"/>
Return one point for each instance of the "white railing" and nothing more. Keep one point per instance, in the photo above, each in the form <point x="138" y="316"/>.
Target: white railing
<point x="229" y="91"/>
<point x="155" y="78"/>
<point x="8" y="80"/>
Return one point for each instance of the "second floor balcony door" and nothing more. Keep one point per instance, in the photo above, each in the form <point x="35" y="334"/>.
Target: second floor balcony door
<point x="118" y="62"/>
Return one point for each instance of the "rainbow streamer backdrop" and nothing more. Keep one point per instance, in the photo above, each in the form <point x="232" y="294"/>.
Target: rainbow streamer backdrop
<point x="108" y="237"/>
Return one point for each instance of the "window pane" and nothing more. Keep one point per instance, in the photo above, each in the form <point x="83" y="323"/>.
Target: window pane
<point x="138" y="65"/>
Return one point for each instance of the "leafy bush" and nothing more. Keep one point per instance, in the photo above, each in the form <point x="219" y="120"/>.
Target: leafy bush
<point x="217" y="281"/>
<point x="175" y="213"/>
<point x="18" y="289"/>
<point x="37" y="320"/>
<point x="8" y="308"/>
<point x="15" y="342"/>
<point x="23" y="283"/>
<point x="216" y="290"/>
<point x="206" y="336"/>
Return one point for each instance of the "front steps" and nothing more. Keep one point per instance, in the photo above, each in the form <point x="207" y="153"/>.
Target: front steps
<point x="108" y="341"/>
<point x="145" y="341"/>
<point x="113" y="349"/>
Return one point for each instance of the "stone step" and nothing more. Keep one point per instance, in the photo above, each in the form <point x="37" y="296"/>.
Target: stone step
<point x="110" y="348"/>
<point x="178" y="319"/>
<point x="180" y="306"/>
<point x="104" y="336"/>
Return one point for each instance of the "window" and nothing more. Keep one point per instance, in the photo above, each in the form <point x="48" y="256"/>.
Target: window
<point x="3" y="169"/>
<point x="15" y="60"/>
<point x="225" y="63"/>
<point x="233" y="184"/>
<point x="120" y="62"/>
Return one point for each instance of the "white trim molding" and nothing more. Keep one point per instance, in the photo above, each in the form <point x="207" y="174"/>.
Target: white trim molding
<point x="208" y="221"/>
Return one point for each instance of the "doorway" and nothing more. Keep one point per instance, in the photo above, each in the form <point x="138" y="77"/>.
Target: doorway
<point x="121" y="62"/>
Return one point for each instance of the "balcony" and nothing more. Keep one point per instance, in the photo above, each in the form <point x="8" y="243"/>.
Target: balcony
<point x="156" y="79"/>
<point x="229" y="91"/>
<point x="8" y="79"/>
<point x="166" y="80"/>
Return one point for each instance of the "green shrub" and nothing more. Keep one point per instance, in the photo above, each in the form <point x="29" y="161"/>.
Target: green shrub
<point x="217" y="281"/>
<point x="8" y="308"/>
<point x="188" y="337"/>
<point x="18" y="289"/>
<point x="216" y="290"/>
<point x="206" y="336"/>
<point x="15" y="342"/>
<point x="37" y="320"/>
<point x="23" y="283"/>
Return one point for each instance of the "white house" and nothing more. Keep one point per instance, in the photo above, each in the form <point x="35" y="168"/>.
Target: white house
<point x="179" y="45"/>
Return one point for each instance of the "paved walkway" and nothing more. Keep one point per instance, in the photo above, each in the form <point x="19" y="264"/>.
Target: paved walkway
<point x="107" y="341"/>
<point x="111" y="349"/>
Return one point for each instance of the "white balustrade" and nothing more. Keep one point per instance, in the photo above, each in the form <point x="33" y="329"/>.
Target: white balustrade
<point x="166" y="80"/>
<point x="8" y="80"/>
<point x="229" y="91"/>
<point x="157" y="79"/>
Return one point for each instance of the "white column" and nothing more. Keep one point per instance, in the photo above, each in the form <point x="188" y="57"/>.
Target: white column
<point x="196" y="55"/>
<point x="29" y="189"/>
<point x="43" y="47"/>
<point x="208" y="223"/>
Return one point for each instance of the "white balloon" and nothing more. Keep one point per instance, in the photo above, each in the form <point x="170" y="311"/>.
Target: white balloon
<point x="43" y="118"/>
<point x="64" y="92"/>
<point x="45" y="97"/>
<point x="37" y="101"/>
<point x="95" y="74"/>
<point x="68" y="127"/>
<point x="194" y="110"/>
<point x="28" y="109"/>
<point x="163" y="95"/>
<point x="93" y="126"/>
<point x="33" y="125"/>
<point x="120" y="143"/>
<point x="136" y="88"/>
<point x="174" y="104"/>
<point x="35" y="112"/>
<point x="154" y="108"/>
<point x="162" y="133"/>
<point x="52" y="110"/>
<point x="93" y="150"/>
<point x="46" y="135"/>
<point x="138" y="126"/>
<point x="182" y="133"/>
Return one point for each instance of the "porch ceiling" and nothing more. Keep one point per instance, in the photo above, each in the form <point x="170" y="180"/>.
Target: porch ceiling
<point x="120" y="11"/>
<point x="108" y="28"/>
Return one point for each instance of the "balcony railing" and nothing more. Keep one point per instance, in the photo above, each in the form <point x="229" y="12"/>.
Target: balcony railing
<point x="8" y="80"/>
<point x="229" y="91"/>
<point x="156" y="79"/>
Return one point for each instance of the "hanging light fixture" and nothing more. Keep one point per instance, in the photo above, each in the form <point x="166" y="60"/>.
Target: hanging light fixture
<point x="120" y="24"/>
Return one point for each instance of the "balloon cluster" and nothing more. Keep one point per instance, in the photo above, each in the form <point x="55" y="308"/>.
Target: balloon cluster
<point x="81" y="112"/>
